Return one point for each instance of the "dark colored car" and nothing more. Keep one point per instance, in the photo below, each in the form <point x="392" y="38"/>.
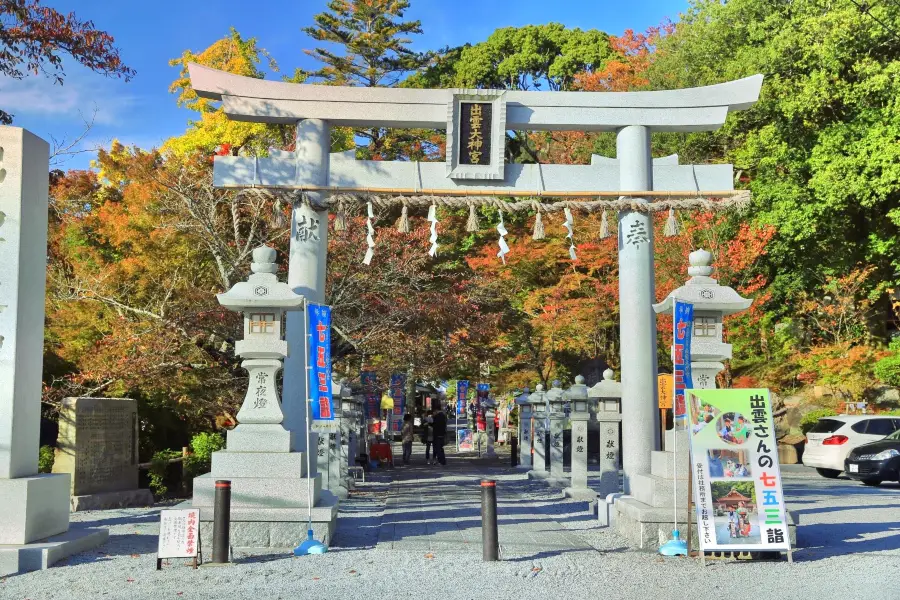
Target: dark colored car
<point x="875" y="462"/>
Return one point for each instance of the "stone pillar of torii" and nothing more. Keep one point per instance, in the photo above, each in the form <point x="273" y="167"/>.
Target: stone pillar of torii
<point x="474" y="169"/>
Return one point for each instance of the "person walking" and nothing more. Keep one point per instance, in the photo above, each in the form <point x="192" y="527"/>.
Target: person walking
<point x="428" y="438"/>
<point x="439" y="425"/>
<point x="407" y="434"/>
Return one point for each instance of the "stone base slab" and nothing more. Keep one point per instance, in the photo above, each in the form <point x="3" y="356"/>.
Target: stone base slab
<point x="33" y="508"/>
<point x="251" y="492"/>
<point x="538" y="474"/>
<point x="659" y="491"/>
<point x="124" y="499"/>
<point x="581" y="494"/>
<point x="43" y="553"/>
<point x="271" y="530"/>
<point x="647" y="528"/>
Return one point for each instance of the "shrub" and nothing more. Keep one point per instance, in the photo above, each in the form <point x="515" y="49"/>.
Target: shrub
<point x="45" y="459"/>
<point x="812" y="417"/>
<point x="203" y="445"/>
<point x="888" y="368"/>
<point x="159" y="464"/>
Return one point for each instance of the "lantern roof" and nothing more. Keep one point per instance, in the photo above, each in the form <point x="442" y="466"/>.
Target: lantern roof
<point x="607" y="388"/>
<point x="262" y="289"/>
<point x="703" y="291"/>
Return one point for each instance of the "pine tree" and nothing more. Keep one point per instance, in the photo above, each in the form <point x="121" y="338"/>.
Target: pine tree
<point x="375" y="42"/>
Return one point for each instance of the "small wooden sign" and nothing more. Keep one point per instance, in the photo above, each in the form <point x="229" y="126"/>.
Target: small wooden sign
<point x="179" y="535"/>
<point x="665" y="386"/>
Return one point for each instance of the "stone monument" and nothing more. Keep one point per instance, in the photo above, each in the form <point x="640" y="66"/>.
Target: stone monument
<point x="97" y="446"/>
<point x="578" y="398"/>
<point x="556" y="399"/>
<point x="525" y="429"/>
<point x="34" y="520"/>
<point x="538" y="402"/>
<point x="268" y="479"/>
<point x="607" y="398"/>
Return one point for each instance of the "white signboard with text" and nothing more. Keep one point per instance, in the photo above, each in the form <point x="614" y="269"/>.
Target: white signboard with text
<point x="179" y="534"/>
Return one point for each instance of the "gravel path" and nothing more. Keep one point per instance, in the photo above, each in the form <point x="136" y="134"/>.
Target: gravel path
<point x="552" y="549"/>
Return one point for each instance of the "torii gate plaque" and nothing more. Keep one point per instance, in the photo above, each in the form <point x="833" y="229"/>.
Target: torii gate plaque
<point x="478" y="170"/>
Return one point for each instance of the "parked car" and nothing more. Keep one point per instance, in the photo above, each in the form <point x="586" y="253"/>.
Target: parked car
<point x="832" y="439"/>
<point x="875" y="462"/>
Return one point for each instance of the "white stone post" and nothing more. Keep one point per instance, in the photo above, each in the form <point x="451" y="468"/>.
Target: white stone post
<point x="489" y="431"/>
<point x="557" y="424"/>
<point x="306" y="268"/>
<point x="32" y="506"/>
<point x="637" y="324"/>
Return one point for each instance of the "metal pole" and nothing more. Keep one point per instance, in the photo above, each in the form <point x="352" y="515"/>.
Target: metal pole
<point x="690" y="500"/>
<point x="490" y="545"/>
<point x="514" y="447"/>
<point x="222" y="522"/>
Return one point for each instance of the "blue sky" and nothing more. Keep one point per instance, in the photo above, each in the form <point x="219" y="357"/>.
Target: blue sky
<point x="149" y="34"/>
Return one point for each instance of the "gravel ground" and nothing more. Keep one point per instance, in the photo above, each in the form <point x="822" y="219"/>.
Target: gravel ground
<point x="850" y="538"/>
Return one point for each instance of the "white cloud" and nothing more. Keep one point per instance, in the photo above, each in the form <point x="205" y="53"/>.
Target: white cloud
<point x="79" y="97"/>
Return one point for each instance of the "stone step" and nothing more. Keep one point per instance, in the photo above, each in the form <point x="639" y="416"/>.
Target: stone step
<point x="658" y="491"/>
<point x="258" y="492"/>
<point x="227" y="464"/>
<point x="663" y="465"/>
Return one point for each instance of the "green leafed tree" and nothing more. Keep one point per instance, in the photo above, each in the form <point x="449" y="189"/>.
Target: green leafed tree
<point x="821" y="148"/>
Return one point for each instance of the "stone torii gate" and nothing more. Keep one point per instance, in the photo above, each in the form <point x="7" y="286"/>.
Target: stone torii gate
<point x="476" y="122"/>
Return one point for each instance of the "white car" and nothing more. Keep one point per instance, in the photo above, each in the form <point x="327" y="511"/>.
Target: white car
<point x="831" y="439"/>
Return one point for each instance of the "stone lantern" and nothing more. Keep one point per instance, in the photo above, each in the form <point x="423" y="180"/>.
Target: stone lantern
<point x="711" y="302"/>
<point x="577" y="396"/>
<point x="348" y="433"/>
<point x="489" y="407"/>
<point x="526" y="433"/>
<point x="263" y="301"/>
<point x="556" y="399"/>
<point x="608" y="395"/>
<point x="539" y="412"/>
<point x="268" y="480"/>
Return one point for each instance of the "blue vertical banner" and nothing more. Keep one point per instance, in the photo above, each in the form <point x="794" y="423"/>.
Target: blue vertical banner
<point x="482" y="394"/>
<point x="319" y="357"/>
<point x="462" y="392"/>
<point x="372" y="402"/>
<point x="681" y="356"/>
<point x="398" y="395"/>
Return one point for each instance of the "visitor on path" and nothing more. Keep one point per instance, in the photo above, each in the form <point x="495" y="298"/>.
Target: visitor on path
<point x="439" y="426"/>
<point x="407" y="434"/>
<point x="428" y="439"/>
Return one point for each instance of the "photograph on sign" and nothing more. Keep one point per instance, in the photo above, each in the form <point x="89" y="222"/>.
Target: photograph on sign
<point x="466" y="440"/>
<point x="179" y="533"/>
<point x="734" y="464"/>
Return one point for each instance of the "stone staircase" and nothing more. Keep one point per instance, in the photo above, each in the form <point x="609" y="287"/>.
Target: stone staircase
<point x="645" y="517"/>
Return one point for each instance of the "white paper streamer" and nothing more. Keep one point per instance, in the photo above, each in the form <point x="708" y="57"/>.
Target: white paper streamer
<point x="504" y="249"/>
<point x="370" y="236"/>
<point x="432" y="216"/>
<point x="570" y="226"/>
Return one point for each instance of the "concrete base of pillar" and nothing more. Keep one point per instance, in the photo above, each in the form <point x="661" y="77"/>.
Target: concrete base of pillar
<point x="121" y="499"/>
<point x="582" y="494"/>
<point x="42" y="554"/>
<point x="34" y="508"/>
<point x="271" y="530"/>
<point x="538" y="474"/>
